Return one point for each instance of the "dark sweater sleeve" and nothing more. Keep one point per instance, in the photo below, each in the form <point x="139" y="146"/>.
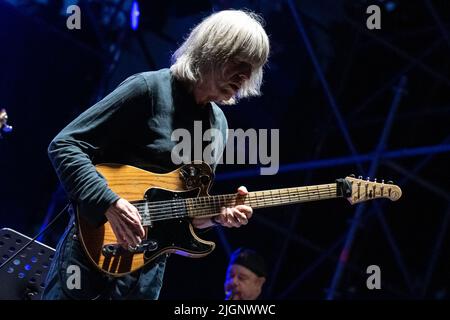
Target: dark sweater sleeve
<point x="73" y="149"/>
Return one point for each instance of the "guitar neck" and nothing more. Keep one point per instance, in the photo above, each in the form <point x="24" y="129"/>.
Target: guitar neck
<point x="277" y="197"/>
<point x="210" y="206"/>
<point x="355" y="190"/>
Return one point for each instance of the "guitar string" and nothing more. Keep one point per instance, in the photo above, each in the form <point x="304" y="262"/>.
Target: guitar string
<point x="213" y="200"/>
<point x="256" y="194"/>
<point x="217" y="201"/>
<point x="181" y="213"/>
<point x="253" y="193"/>
<point x="213" y="209"/>
<point x="206" y="202"/>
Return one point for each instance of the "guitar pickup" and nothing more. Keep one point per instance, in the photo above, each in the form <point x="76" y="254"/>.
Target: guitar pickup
<point x="115" y="249"/>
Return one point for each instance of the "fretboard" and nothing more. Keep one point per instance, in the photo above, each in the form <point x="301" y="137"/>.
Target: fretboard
<point x="211" y="205"/>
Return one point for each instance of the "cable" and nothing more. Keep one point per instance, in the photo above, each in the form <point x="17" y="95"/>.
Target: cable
<point x="37" y="236"/>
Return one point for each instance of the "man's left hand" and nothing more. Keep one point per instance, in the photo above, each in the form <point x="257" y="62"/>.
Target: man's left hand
<point x="235" y="216"/>
<point x="229" y="217"/>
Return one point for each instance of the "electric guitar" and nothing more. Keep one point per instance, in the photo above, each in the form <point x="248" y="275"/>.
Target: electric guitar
<point x="167" y="202"/>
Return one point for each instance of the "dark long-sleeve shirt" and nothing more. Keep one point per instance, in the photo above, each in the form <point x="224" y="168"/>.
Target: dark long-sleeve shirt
<point x="132" y="125"/>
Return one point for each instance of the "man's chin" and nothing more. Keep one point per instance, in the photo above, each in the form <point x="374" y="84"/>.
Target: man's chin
<point x="236" y="296"/>
<point x="233" y="295"/>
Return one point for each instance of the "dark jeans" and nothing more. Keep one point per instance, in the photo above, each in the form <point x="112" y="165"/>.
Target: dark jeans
<point x="143" y="284"/>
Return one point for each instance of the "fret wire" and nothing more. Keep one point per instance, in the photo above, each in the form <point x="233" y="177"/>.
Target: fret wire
<point x="204" y="200"/>
<point x="188" y="204"/>
<point x="202" y="211"/>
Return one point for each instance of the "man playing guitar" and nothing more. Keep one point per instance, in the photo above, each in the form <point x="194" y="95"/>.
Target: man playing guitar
<point x="220" y="61"/>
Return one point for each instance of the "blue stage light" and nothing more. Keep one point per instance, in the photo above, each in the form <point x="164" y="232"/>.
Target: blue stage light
<point x="390" y="6"/>
<point x="134" y="15"/>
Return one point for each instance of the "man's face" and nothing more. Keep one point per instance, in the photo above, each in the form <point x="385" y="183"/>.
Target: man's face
<point x="222" y="86"/>
<point x="242" y="283"/>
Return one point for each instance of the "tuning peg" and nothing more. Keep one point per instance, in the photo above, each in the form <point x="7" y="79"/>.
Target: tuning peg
<point x="352" y="175"/>
<point x="368" y="179"/>
<point x="390" y="182"/>
<point x="374" y="179"/>
<point x="382" y="181"/>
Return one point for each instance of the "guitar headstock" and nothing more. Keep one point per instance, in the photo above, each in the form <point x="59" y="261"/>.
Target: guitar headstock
<point x="363" y="190"/>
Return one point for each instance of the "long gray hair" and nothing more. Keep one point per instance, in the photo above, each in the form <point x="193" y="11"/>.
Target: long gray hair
<point x="229" y="35"/>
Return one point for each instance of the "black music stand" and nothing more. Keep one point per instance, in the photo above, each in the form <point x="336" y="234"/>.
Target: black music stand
<point x="23" y="278"/>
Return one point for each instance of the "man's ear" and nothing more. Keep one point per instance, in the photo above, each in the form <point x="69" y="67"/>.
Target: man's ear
<point x="261" y="280"/>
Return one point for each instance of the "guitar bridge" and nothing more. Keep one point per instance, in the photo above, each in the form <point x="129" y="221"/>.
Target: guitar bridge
<point x="115" y="249"/>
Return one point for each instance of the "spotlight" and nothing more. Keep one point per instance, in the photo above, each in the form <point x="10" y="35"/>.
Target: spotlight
<point x="134" y="15"/>
<point x="390" y="6"/>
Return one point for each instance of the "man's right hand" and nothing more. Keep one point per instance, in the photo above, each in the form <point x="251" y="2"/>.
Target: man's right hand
<point x="126" y="223"/>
